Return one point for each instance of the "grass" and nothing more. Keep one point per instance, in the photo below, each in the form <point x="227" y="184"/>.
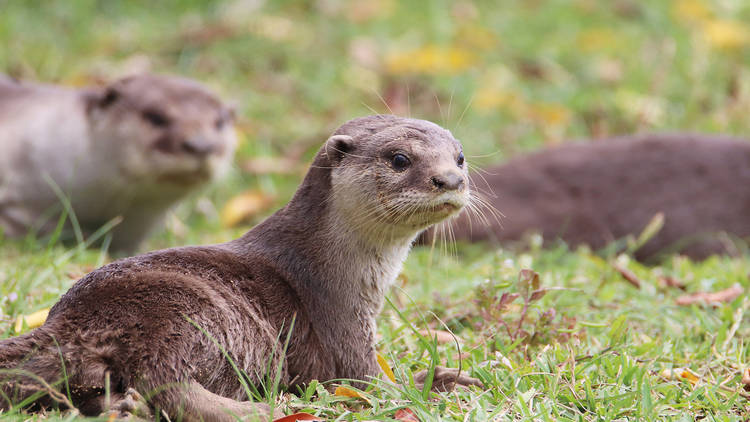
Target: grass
<point x="505" y="77"/>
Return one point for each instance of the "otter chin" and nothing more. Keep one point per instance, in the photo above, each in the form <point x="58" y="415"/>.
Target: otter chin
<point x="299" y="292"/>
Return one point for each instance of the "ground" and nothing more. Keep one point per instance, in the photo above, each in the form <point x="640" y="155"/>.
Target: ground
<point x="505" y="77"/>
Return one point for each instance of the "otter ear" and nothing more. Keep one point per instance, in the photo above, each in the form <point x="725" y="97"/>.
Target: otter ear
<point x="100" y="98"/>
<point x="337" y="146"/>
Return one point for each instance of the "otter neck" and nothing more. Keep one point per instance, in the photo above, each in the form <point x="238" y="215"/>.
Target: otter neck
<point x="339" y="274"/>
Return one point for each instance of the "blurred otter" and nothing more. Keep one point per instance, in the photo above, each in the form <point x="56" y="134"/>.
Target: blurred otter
<point x="600" y="192"/>
<point x="130" y="150"/>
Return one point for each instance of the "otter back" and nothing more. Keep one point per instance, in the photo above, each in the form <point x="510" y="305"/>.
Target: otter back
<point x="603" y="191"/>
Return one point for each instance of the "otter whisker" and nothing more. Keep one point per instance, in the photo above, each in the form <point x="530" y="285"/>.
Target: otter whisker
<point x="383" y="101"/>
<point x="468" y="104"/>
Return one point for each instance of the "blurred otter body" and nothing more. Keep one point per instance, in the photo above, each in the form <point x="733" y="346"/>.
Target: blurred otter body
<point x="600" y="192"/>
<point x="130" y="150"/>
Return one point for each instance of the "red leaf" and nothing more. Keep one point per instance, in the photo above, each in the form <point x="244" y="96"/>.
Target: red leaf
<point x="299" y="417"/>
<point x="405" y="415"/>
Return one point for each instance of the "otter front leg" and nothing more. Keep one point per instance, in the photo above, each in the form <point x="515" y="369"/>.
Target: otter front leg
<point x="446" y="379"/>
<point x="192" y="402"/>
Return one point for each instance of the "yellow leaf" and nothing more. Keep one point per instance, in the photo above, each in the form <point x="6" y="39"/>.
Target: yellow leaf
<point x="726" y="34"/>
<point x="691" y="10"/>
<point x="386" y="368"/>
<point x="597" y="39"/>
<point x="244" y="206"/>
<point x="345" y="391"/>
<point x="549" y="114"/>
<point x="680" y="373"/>
<point x="477" y="37"/>
<point x="32" y="320"/>
<point x="430" y="59"/>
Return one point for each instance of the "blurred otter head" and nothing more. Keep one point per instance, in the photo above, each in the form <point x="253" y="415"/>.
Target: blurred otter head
<point x="164" y="129"/>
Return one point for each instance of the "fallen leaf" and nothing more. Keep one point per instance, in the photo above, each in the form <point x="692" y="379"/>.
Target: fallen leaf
<point x="245" y="206"/>
<point x="726" y="295"/>
<point x="345" y="391"/>
<point x="668" y="281"/>
<point x="691" y="11"/>
<point x="598" y="39"/>
<point x="680" y="374"/>
<point x="430" y="59"/>
<point x="299" y="417"/>
<point x="537" y="294"/>
<point x="746" y="379"/>
<point x="628" y="275"/>
<point x="441" y="336"/>
<point x="32" y="320"/>
<point x="386" y="368"/>
<point x="462" y="356"/>
<point x="405" y="415"/>
<point x="726" y="34"/>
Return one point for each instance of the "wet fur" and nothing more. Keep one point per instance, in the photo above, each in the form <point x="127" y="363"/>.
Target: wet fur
<point x="599" y="192"/>
<point x="310" y="264"/>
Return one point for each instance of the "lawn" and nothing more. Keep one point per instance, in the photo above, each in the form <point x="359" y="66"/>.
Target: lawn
<point x="505" y="77"/>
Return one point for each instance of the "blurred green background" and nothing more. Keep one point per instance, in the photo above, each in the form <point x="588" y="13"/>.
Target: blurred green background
<point x="504" y="76"/>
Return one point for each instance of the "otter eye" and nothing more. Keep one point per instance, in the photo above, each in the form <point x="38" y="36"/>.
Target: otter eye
<point x="219" y="123"/>
<point x="460" y="159"/>
<point x="400" y="162"/>
<point x="156" y="118"/>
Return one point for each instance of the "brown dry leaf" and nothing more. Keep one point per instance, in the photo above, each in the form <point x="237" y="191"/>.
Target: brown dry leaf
<point x="537" y="294"/>
<point x="628" y="275"/>
<point x="345" y="391"/>
<point x="669" y="281"/>
<point x="244" y="207"/>
<point x="722" y="296"/>
<point x="33" y="320"/>
<point x="680" y="374"/>
<point x="462" y="356"/>
<point x="746" y="379"/>
<point x="441" y="336"/>
<point x="299" y="417"/>
<point x="405" y="415"/>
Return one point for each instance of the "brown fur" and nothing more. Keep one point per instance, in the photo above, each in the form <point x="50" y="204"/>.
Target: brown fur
<point x="599" y="192"/>
<point x="306" y="265"/>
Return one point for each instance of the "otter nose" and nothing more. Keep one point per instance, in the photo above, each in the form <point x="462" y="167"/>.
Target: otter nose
<point x="448" y="181"/>
<point x="198" y="147"/>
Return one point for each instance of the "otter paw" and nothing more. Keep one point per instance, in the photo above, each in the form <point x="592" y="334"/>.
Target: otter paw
<point x="446" y="379"/>
<point x="131" y="406"/>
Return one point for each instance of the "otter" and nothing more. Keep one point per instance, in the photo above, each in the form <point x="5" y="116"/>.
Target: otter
<point x="129" y="150"/>
<point x="596" y="193"/>
<point x="302" y="288"/>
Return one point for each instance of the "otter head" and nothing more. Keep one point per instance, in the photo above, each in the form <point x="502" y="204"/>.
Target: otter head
<point x="393" y="177"/>
<point x="164" y="130"/>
